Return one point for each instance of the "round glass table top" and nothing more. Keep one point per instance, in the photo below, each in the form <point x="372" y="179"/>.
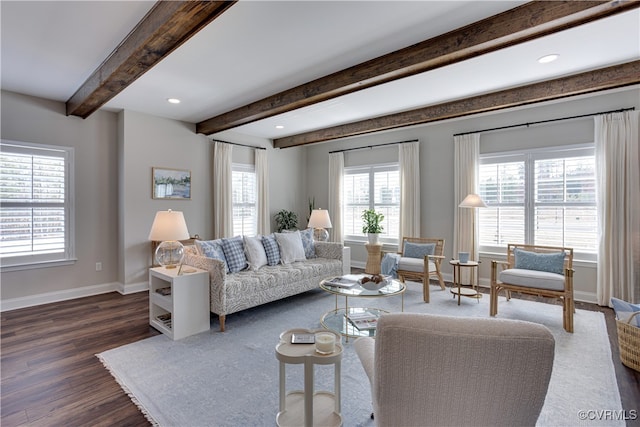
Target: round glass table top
<point x="350" y="286"/>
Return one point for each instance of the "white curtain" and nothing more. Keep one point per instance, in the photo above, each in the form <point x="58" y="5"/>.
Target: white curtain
<point x="409" y="158"/>
<point x="262" y="189"/>
<point x="618" y="193"/>
<point x="465" y="179"/>
<point x="336" y="176"/>
<point x="222" y="202"/>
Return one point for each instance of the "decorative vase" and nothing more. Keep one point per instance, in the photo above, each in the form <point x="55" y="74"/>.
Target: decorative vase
<point x="373" y="238"/>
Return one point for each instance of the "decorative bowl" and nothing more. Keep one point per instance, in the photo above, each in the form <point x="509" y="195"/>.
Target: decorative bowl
<point x="373" y="286"/>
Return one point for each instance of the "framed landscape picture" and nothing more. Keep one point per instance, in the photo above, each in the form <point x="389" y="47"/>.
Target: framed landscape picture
<point x="171" y="184"/>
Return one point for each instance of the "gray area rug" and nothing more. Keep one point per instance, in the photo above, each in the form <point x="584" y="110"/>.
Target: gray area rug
<point x="231" y="378"/>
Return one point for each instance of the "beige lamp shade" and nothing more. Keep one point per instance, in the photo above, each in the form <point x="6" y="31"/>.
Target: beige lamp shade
<point x="472" y="201"/>
<point x="169" y="225"/>
<point x="319" y="219"/>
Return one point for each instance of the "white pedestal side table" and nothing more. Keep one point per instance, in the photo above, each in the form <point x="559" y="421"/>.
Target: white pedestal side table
<point x="308" y="407"/>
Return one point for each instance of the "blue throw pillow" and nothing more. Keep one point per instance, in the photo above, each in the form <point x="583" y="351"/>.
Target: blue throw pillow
<point x="418" y="250"/>
<point x="234" y="253"/>
<point x="625" y="309"/>
<point x="212" y="249"/>
<point x="549" y="262"/>
<point x="307" y="243"/>
<point x="272" y="249"/>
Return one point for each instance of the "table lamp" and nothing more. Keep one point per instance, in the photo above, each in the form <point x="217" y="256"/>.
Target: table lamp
<point x="169" y="227"/>
<point x="320" y="221"/>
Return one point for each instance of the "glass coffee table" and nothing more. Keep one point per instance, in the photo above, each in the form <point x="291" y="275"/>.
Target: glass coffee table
<point x="337" y="320"/>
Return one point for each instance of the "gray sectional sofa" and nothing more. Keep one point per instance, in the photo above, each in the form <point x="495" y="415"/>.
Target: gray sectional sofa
<point x="231" y="292"/>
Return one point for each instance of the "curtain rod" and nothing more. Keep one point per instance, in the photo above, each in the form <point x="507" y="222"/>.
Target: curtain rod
<point x="546" y="121"/>
<point x="373" y="146"/>
<point x="237" y="143"/>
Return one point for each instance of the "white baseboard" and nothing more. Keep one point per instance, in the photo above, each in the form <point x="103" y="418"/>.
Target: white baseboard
<point x="132" y="288"/>
<point x="358" y="264"/>
<point x="64" y="295"/>
<point x="68" y="294"/>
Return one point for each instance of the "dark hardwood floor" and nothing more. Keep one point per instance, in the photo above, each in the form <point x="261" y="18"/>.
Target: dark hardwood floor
<point x="51" y="377"/>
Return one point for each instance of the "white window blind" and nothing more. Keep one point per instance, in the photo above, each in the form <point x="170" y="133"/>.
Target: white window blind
<point x="544" y="197"/>
<point x="36" y="220"/>
<point x="245" y="215"/>
<point x="372" y="187"/>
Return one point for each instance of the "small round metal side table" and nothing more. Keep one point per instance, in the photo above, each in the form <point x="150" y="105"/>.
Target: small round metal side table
<point x="458" y="289"/>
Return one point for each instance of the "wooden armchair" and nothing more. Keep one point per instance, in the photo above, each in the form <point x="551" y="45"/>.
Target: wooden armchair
<point x="420" y="258"/>
<point x="536" y="270"/>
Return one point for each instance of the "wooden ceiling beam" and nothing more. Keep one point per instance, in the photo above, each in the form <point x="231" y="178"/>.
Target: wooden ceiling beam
<point x="166" y="27"/>
<point x="591" y="81"/>
<point x="518" y="25"/>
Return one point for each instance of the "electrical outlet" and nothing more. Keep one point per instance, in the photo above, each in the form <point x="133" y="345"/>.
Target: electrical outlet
<point x="98" y="266"/>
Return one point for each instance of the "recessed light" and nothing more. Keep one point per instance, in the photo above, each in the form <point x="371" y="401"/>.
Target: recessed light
<point x="548" y="58"/>
<point x="279" y="127"/>
<point x="173" y="100"/>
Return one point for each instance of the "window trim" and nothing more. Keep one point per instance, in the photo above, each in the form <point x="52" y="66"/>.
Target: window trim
<point x="532" y="155"/>
<point x="371" y="170"/>
<point x="244" y="167"/>
<point x="68" y="256"/>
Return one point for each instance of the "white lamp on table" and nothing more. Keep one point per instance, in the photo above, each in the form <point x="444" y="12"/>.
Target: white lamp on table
<point x="320" y="221"/>
<point x="169" y="227"/>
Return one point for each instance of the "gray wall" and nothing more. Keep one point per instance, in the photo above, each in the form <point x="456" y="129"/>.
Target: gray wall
<point x="95" y="141"/>
<point x="436" y="161"/>
<point x="148" y="142"/>
<point x="116" y="151"/>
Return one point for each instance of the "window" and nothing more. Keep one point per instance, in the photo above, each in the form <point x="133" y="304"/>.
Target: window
<point x="372" y="187"/>
<point x="36" y="205"/>
<point x="244" y="200"/>
<point x="545" y="197"/>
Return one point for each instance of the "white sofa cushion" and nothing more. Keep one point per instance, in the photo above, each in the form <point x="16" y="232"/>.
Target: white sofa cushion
<point x="532" y="279"/>
<point x="414" y="264"/>
<point x="291" y="248"/>
<point x="253" y="249"/>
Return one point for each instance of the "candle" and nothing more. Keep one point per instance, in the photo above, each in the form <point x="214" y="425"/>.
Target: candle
<point x="325" y="342"/>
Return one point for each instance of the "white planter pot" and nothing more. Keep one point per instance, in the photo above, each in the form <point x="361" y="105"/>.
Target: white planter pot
<point x="373" y="238"/>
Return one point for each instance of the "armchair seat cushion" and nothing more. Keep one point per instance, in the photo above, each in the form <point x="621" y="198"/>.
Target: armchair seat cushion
<point x="414" y="264"/>
<point x="532" y="279"/>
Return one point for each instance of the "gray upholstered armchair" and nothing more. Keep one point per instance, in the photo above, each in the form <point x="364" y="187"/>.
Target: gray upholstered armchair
<point x="453" y="371"/>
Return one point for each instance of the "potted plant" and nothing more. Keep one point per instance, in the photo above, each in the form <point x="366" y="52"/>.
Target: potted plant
<point x="286" y="220"/>
<point x="372" y="226"/>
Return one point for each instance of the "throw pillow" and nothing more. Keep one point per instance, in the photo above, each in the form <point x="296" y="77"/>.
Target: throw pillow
<point x="291" y="248"/>
<point x="234" y="253"/>
<point x="624" y="310"/>
<point x="271" y="249"/>
<point x="307" y="243"/>
<point x="212" y="249"/>
<point x="253" y="249"/>
<point x="418" y="250"/>
<point x="550" y="262"/>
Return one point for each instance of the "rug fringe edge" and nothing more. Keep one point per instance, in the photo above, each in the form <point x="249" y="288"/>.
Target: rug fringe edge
<point x="128" y="392"/>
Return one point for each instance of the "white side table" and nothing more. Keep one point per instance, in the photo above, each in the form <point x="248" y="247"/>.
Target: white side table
<point x="308" y="407"/>
<point x="179" y="305"/>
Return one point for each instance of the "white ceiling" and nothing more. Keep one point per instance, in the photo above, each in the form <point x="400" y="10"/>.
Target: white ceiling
<point x="258" y="48"/>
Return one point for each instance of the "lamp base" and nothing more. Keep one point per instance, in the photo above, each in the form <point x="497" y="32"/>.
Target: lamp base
<point x="320" y="235"/>
<point x="169" y="254"/>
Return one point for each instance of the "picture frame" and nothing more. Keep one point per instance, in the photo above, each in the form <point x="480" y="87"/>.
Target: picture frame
<point x="174" y="184"/>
